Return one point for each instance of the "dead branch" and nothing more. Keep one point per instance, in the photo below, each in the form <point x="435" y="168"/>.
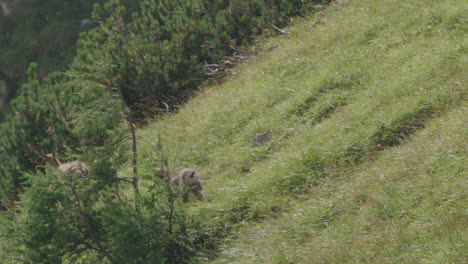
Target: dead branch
<point x="281" y="31"/>
<point x="225" y="65"/>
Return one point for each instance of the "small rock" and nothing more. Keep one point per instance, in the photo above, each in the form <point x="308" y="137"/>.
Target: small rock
<point x="261" y="138"/>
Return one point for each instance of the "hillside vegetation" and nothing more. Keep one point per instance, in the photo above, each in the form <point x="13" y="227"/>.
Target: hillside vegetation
<point x="63" y="194"/>
<point x="367" y="162"/>
<point x="365" y="101"/>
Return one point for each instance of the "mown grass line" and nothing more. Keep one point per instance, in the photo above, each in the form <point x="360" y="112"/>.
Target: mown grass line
<point x="314" y="167"/>
<point x="406" y="206"/>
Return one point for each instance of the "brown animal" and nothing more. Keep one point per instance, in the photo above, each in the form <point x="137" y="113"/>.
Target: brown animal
<point x="187" y="178"/>
<point x="73" y="167"/>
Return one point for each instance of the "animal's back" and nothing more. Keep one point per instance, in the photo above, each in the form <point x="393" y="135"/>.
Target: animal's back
<point x="76" y="167"/>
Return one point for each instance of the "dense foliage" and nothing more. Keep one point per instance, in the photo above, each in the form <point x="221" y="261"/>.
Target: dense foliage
<point x="69" y="218"/>
<point x="160" y="51"/>
<point x="147" y="56"/>
<point x="131" y="62"/>
<point x="87" y="220"/>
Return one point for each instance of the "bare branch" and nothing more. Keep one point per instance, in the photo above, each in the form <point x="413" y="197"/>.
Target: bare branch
<point x="167" y="106"/>
<point x="225" y="65"/>
<point x="281" y="31"/>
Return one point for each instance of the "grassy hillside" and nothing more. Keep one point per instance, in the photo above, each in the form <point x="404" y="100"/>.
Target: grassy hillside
<point x="407" y="206"/>
<point x="367" y="104"/>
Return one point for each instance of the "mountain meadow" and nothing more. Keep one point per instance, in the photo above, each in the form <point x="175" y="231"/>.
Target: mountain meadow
<point x="322" y="132"/>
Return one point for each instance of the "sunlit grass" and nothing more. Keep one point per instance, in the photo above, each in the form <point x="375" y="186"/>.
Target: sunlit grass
<point x="344" y="99"/>
<point x="407" y="206"/>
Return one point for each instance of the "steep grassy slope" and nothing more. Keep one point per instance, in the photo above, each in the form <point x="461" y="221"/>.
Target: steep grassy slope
<point x="344" y="178"/>
<point x="407" y="206"/>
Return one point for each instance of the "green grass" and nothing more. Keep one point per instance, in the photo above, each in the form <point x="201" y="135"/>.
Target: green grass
<point x="406" y="206"/>
<point x="366" y="163"/>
